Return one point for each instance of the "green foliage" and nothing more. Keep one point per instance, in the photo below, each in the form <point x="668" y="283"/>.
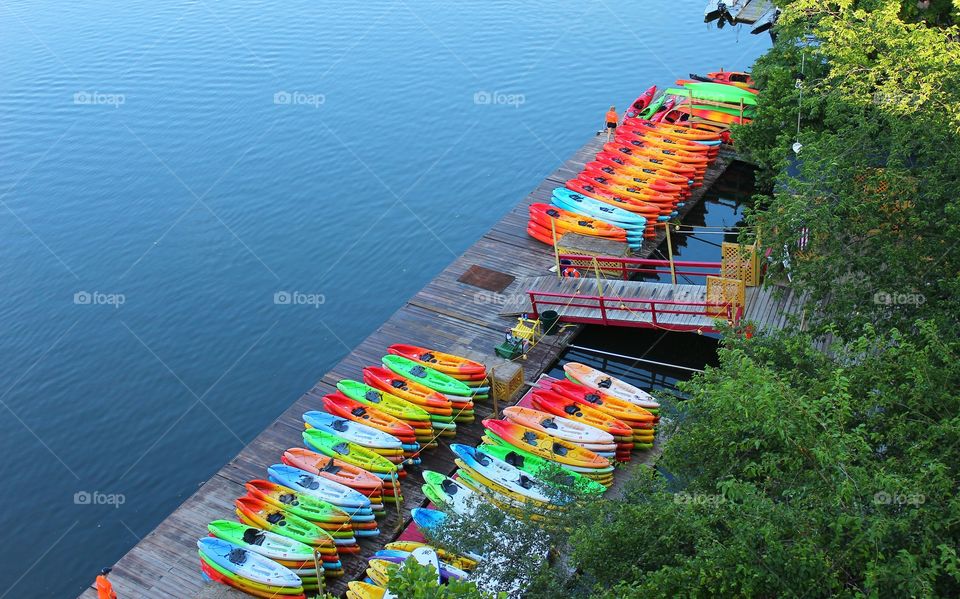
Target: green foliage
<point x="794" y="475"/>
<point x="875" y="183"/>
<point x="416" y="581"/>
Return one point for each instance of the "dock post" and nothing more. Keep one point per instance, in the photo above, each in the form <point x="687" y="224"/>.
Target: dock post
<point x="673" y="268"/>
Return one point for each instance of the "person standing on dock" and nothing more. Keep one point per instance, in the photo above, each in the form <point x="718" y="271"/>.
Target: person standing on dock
<point x="612" y="119"/>
<point x="104" y="587"/>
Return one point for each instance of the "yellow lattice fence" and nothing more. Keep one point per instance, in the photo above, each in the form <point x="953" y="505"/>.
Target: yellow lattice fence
<point x="726" y="293"/>
<point x="740" y="262"/>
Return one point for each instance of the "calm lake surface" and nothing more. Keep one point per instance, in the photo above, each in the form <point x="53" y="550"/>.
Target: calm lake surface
<point x="206" y="204"/>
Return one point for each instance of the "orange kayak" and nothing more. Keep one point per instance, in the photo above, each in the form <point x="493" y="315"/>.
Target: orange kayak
<point x="544" y="445"/>
<point x="628" y="134"/>
<point x="442" y="362"/>
<point x="634" y="160"/>
<point x="558" y="405"/>
<point x="647" y="182"/>
<point x="605" y="160"/>
<point x="644" y="153"/>
<point x="565" y="221"/>
<point x="333" y="469"/>
<point x="677" y="131"/>
<point x="678" y="155"/>
<point x="623" y="410"/>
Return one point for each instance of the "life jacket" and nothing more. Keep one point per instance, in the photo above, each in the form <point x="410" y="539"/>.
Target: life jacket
<point x="612" y="116"/>
<point x="104" y="588"/>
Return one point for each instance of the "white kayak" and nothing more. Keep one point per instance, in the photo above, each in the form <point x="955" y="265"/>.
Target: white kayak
<point x="563" y="428"/>
<point x="321" y="488"/>
<point x="601" y="381"/>
<point x="502" y="473"/>
<point x="247" y="564"/>
<point x="355" y="432"/>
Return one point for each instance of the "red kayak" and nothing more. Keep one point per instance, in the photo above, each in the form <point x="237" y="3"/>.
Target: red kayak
<point x="437" y="360"/>
<point x="642" y="102"/>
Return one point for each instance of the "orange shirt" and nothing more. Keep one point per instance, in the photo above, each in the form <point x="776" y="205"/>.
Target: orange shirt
<point x="612" y="116"/>
<point x="104" y="588"/>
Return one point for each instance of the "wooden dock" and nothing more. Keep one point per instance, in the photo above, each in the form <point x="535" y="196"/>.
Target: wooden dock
<point x="447" y="312"/>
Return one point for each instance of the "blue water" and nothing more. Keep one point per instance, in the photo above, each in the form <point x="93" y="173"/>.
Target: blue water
<point x="167" y="168"/>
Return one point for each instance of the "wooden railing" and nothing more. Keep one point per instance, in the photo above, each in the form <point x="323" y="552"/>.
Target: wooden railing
<point x="663" y="314"/>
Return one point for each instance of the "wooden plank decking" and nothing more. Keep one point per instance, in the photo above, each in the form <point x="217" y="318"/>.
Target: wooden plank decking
<point x="446" y="312"/>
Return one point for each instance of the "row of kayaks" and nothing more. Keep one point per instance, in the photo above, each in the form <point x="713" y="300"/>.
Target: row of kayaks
<point x="533" y="462"/>
<point x="660" y="153"/>
<point x="294" y="525"/>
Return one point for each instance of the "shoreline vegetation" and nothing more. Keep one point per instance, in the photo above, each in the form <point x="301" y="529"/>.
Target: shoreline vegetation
<point x="799" y="471"/>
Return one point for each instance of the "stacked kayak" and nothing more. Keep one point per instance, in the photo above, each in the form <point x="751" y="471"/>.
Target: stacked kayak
<point x="528" y="441"/>
<point x="224" y="562"/>
<point x="357" y="506"/>
<point x="641" y="421"/>
<point x="659" y="154"/>
<point x="387" y="403"/>
<point x="436" y="404"/>
<point x="459" y="393"/>
<point x="263" y="495"/>
<point x="601" y="381"/>
<point x="378" y="489"/>
<point x="298" y="557"/>
<point x="593" y="439"/>
<point x="377" y="441"/>
<point x="311" y="508"/>
<point x="545" y="220"/>
<point x="558" y="405"/>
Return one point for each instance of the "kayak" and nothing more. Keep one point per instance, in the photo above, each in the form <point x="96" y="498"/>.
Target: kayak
<point x="621" y="409"/>
<point x="447" y="571"/>
<point x="354" y="432"/>
<point x="647" y="188"/>
<point x="678" y="131"/>
<point x="440" y="361"/>
<point x="363" y="412"/>
<point x="641" y="102"/>
<point x="429" y="377"/>
<point x="298" y="504"/>
<point x="266" y="543"/>
<point x="544" y="470"/>
<point x="357" y="589"/>
<point x="387" y="402"/>
<point x="544" y="445"/>
<point x="629" y="134"/>
<point x="560" y="229"/>
<point x="247" y="564"/>
<point x="512" y="481"/>
<point x="261" y="514"/>
<point x="634" y="154"/>
<point x="447" y="493"/>
<point x="600" y="381"/>
<point x="702" y="79"/>
<point x="336" y="470"/>
<point x="385" y="379"/>
<point x="571" y="221"/>
<point x="601" y="475"/>
<point x="352" y="453"/>
<point x="570" y="200"/>
<point x="353" y="502"/>
<point x="650" y="211"/>
<point x="559" y="405"/>
<point x="714" y="92"/>
<point x="457" y="561"/>
<point x="633" y="170"/>
<point x="584" y="435"/>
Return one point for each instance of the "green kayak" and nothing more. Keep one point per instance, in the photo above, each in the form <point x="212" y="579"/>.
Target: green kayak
<point x="426" y="376"/>
<point x="716" y="92"/>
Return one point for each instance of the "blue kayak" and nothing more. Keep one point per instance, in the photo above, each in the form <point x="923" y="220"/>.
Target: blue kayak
<point x="595" y="208"/>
